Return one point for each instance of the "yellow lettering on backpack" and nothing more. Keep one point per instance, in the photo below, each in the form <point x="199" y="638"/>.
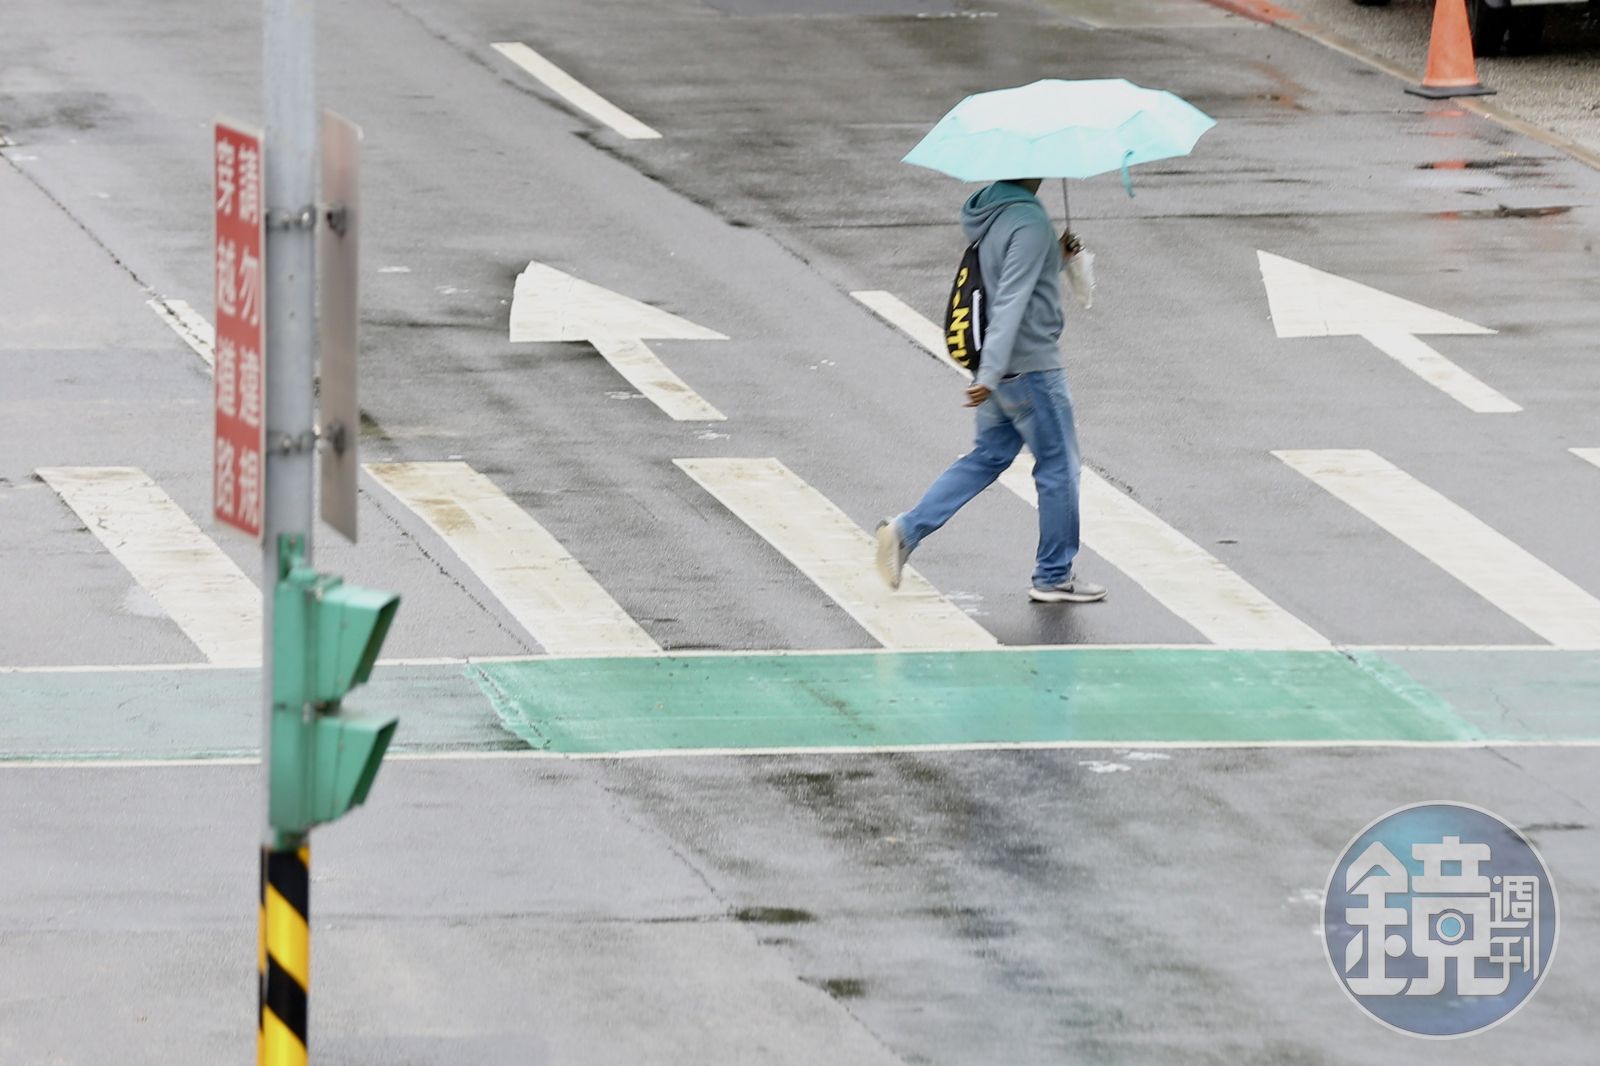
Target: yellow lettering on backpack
<point x="957" y="338"/>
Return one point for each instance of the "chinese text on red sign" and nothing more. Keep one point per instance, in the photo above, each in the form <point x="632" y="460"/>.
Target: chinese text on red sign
<point x="238" y="464"/>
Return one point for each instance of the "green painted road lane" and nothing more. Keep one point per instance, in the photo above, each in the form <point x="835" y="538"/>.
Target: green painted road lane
<point x="1528" y="696"/>
<point x="1044" y="696"/>
<point x="766" y="702"/>
<point x="170" y="713"/>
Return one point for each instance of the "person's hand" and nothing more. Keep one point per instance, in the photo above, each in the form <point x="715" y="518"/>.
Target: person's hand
<point x="1070" y="245"/>
<point x="976" y="394"/>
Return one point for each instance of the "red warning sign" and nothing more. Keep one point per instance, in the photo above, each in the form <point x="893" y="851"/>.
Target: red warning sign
<point x="239" y="367"/>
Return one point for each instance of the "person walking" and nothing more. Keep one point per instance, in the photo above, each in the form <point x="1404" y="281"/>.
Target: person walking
<point x="1020" y="393"/>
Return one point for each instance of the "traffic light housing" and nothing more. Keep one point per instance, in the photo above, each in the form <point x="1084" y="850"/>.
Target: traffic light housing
<point x="326" y="638"/>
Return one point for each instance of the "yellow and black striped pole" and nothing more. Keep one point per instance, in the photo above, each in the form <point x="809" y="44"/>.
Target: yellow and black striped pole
<point x="283" y="956"/>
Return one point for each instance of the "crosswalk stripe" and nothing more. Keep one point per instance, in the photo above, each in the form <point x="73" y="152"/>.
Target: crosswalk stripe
<point x="543" y="587"/>
<point x="1591" y="455"/>
<point x="836" y="554"/>
<point x="202" y="590"/>
<point x="188" y="324"/>
<point x="908" y="320"/>
<point x="1182" y="576"/>
<point x="1464" y="546"/>
<point x="575" y="92"/>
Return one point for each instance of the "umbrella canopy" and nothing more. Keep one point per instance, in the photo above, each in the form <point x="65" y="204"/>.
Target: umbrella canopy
<point x="1060" y="129"/>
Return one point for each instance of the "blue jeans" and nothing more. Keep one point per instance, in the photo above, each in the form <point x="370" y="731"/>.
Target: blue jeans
<point x="1035" y="409"/>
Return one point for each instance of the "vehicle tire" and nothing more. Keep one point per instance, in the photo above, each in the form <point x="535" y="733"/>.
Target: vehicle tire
<point x="1527" y="31"/>
<point x="1488" y="26"/>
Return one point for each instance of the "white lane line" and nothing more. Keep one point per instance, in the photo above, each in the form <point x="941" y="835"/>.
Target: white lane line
<point x="195" y="583"/>
<point x="645" y="371"/>
<point x="787" y="653"/>
<point x="836" y="554"/>
<point x="1459" y="543"/>
<point x="1182" y="576"/>
<point x="1417" y="356"/>
<point x="188" y="324"/>
<point x="522" y="754"/>
<point x="543" y="587"/>
<point x="1590" y="455"/>
<point x="575" y="92"/>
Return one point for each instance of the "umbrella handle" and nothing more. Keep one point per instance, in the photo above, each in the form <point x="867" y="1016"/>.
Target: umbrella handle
<point x="1066" y="211"/>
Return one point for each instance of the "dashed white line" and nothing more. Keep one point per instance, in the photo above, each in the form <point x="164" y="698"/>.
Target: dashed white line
<point x="575" y="92"/>
<point x="195" y="583"/>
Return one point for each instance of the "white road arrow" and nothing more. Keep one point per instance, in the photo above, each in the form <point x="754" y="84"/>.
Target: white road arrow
<point x="1306" y="302"/>
<point x="549" y="305"/>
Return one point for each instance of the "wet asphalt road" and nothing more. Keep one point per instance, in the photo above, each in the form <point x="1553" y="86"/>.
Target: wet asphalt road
<point x="1557" y="86"/>
<point x="1182" y="388"/>
<point x="955" y="908"/>
<point x="958" y="908"/>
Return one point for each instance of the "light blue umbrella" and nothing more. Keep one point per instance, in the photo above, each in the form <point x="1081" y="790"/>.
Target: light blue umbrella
<point x="1060" y="129"/>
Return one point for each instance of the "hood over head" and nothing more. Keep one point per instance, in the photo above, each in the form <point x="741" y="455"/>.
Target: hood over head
<point x="985" y="205"/>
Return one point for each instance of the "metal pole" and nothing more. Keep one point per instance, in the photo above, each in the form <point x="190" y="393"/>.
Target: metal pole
<point x="289" y="75"/>
<point x="290" y="106"/>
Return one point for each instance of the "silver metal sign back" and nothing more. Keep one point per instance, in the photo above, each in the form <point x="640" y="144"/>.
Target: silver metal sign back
<point x="338" y="320"/>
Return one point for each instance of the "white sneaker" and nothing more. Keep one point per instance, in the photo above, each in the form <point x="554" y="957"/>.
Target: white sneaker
<point x="1073" y="590"/>
<point x="891" y="552"/>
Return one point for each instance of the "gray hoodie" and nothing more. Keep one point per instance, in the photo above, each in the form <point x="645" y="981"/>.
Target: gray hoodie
<point x="1021" y="264"/>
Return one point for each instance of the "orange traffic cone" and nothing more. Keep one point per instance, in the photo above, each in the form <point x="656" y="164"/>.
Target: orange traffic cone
<point x="1451" y="68"/>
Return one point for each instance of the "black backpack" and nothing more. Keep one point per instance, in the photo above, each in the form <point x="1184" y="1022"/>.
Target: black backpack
<point x="966" y="316"/>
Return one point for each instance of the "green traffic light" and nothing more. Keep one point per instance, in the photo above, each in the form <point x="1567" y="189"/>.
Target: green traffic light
<point x="349" y="750"/>
<point x="326" y="638"/>
<point x="350" y="625"/>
